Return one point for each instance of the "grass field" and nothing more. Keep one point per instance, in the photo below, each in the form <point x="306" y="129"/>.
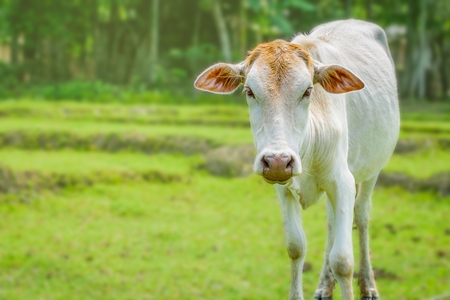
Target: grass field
<point x="109" y="201"/>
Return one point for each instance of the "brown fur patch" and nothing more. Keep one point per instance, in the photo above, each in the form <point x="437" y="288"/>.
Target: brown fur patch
<point x="309" y="46"/>
<point x="280" y="56"/>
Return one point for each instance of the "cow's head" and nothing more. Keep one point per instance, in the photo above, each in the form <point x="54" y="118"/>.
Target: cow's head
<point x="278" y="79"/>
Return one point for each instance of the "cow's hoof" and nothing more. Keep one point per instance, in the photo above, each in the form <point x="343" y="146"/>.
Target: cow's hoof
<point x="372" y="294"/>
<point x="318" y="297"/>
<point x="323" y="295"/>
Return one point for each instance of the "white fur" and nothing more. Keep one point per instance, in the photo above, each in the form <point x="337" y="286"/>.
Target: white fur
<point x="339" y="143"/>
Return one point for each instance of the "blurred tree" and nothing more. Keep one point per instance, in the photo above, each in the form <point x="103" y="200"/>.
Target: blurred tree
<point x="222" y="29"/>
<point x="438" y="84"/>
<point x="154" y="40"/>
<point x="273" y="18"/>
<point x="419" y="48"/>
<point x="163" y="44"/>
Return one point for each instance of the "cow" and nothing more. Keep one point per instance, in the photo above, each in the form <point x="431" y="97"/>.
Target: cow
<point x="324" y="115"/>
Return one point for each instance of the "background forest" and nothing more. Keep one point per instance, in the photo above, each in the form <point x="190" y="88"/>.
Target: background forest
<point x="93" y="46"/>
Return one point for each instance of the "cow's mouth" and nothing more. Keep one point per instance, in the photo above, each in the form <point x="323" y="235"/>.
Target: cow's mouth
<point x="277" y="177"/>
<point x="283" y="182"/>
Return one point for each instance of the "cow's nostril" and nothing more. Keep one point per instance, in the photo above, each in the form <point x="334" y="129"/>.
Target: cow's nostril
<point x="265" y="162"/>
<point x="290" y="164"/>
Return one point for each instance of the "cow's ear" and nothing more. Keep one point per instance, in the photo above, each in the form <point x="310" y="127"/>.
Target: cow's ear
<point x="221" y="78"/>
<point x="336" y="79"/>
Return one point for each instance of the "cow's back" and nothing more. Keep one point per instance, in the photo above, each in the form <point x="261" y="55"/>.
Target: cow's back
<point x="372" y="113"/>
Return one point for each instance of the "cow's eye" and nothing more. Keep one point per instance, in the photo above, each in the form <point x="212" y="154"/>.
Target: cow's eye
<point x="248" y="91"/>
<point x="307" y="92"/>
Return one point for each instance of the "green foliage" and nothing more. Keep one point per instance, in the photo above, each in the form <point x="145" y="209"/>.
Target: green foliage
<point x="9" y="84"/>
<point x="271" y="17"/>
<point x="111" y="41"/>
<point x="78" y="90"/>
<point x="101" y="92"/>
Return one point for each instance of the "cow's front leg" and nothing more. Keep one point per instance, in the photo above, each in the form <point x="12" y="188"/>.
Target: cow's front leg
<point x="295" y="238"/>
<point x="342" y="196"/>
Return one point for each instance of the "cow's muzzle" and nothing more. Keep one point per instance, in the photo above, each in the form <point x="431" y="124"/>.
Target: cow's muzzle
<point x="277" y="168"/>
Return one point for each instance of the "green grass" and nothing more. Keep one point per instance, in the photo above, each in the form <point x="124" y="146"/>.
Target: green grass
<point x="73" y="162"/>
<point x="44" y="114"/>
<point x="423" y="136"/>
<point x="203" y="237"/>
<point x="126" y="113"/>
<point x="184" y="241"/>
<point x="429" y="127"/>
<point x="220" y="135"/>
<point x="422" y="164"/>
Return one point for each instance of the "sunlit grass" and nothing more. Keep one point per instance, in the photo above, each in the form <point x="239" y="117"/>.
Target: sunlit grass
<point x="202" y="240"/>
<point x="66" y="110"/>
<point x="426" y="126"/>
<point x="203" y="237"/>
<point x="73" y="162"/>
<point x="219" y="134"/>
<point x="422" y="164"/>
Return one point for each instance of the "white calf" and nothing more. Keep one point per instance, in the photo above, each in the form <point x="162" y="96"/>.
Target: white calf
<point x="313" y="137"/>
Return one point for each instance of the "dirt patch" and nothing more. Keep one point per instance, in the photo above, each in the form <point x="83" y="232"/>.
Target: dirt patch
<point x="142" y="111"/>
<point x="384" y="274"/>
<point x="200" y="122"/>
<point x="230" y="161"/>
<point x="235" y="161"/>
<point x="109" y="142"/>
<point x="23" y="185"/>
<point x="381" y="274"/>
<point x="410" y="146"/>
<point x="441" y="297"/>
<point x="406" y="146"/>
<point x="439" y="183"/>
<point x="444" y="144"/>
<point x="307" y="267"/>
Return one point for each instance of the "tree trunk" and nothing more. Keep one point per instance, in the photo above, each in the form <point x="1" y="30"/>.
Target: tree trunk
<point x="369" y="10"/>
<point x="423" y="50"/>
<point x="194" y="60"/>
<point x="348" y="8"/>
<point x="99" y="52"/>
<point x="30" y="62"/>
<point x="61" y="60"/>
<point x="154" y="40"/>
<point x="14" y="49"/>
<point x="14" y="45"/>
<point x="413" y="81"/>
<point x="243" y="29"/>
<point x="222" y="30"/>
<point x="443" y="66"/>
<point x="112" y="33"/>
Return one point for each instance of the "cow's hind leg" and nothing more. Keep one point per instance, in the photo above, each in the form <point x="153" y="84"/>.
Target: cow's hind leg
<point x="325" y="288"/>
<point x="363" y="204"/>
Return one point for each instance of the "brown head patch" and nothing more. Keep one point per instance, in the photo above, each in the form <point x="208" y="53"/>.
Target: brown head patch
<point x="280" y="56"/>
